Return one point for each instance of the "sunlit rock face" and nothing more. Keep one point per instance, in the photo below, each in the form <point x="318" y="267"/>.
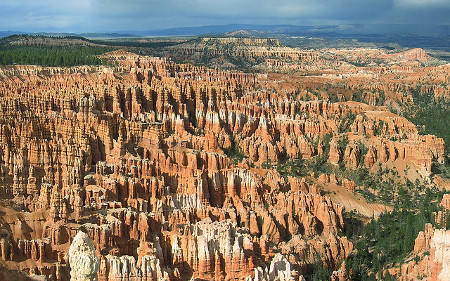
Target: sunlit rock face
<point x="432" y="249"/>
<point x="440" y="245"/>
<point x="83" y="260"/>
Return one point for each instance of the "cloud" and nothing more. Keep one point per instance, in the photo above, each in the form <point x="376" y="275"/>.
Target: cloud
<point x="112" y="15"/>
<point x="41" y="15"/>
<point x="422" y="3"/>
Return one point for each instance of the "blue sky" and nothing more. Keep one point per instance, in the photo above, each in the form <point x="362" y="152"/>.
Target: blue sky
<point x="129" y="15"/>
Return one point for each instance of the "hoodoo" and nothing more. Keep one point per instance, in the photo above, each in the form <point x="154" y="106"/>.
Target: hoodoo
<point x="83" y="260"/>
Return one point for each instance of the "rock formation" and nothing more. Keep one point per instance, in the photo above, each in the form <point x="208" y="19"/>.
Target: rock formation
<point x="176" y="171"/>
<point x="279" y="269"/>
<point x="84" y="263"/>
<point x="432" y="248"/>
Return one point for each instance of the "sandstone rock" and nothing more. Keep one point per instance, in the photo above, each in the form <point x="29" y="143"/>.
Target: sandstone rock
<point x="432" y="248"/>
<point x="445" y="203"/>
<point x="371" y="157"/>
<point x="440" y="243"/>
<point x="352" y="155"/>
<point x="349" y="185"/>
<point x="335" y="153"/>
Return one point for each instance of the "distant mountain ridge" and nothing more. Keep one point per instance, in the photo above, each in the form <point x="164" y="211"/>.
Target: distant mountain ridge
<point x="386" y="29"/>
<point x="66" y="34"/>
<point x="43" y="40"/>
<point x="436" y="37"/>
<point x="349" y="29"/>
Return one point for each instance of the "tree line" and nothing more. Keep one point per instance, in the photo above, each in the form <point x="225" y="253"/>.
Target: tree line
<point x="51" y="55"/>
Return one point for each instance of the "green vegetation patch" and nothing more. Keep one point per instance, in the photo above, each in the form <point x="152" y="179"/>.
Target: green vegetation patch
<point x="51" y="55"/>
<point x="388" y="240"/>
<point x="431" y="115"/>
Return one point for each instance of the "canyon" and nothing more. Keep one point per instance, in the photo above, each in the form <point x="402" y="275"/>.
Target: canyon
<point x="172" y="171"/>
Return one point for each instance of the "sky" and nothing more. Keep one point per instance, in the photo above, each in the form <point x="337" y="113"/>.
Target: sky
<point x="139" y="15"/>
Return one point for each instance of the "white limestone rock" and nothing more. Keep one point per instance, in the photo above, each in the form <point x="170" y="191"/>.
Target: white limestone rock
<point x="441" y="243"/>
<point x="84" y="263"/>
<point x="279" y="270"/>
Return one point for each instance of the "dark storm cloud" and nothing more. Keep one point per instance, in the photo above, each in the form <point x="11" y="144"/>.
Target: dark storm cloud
<point x="110" y="15"/>
<point x="420" y="11"/>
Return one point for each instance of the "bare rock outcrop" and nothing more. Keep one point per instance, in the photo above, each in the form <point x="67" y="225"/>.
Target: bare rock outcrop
<point x="432" y="247"/>
<point x="278" y="270"/>
<point x="84" y="263"/>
